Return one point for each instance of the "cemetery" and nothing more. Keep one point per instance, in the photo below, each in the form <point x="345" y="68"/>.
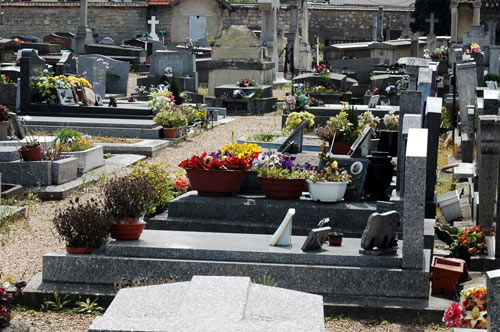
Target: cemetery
<point x="264" y="166"/>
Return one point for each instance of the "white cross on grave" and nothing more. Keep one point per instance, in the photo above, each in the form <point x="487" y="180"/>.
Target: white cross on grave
<point x="153" y="22"/>
<point x="431" y="20"/>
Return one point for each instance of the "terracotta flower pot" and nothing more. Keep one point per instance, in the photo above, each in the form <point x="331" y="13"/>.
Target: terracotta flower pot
<point x="79" y="250"/>
<point x="169" y="132"/>
<point x="214" y="182"/>
<point x="282" y="188"/>
<point x="341" y="148"/>
<point x="335" y="239"/>
<point x="125" y="220"/>
<point x="34" y="154"/>
<point x="127" y="232"/>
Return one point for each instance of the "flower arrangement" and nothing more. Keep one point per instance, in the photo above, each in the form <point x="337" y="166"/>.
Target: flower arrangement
<point x="79" y="82"/>
<point x="6" y="300"/>
<point x="390" y="90"/>
<point x="4" y="79"/>
<point x="294" y="119"/>
<point x="280" y="166"/>
<point x="474" y="48"/>
<point x="83" y="224"/>
<point x="217" y="160"/>
<point x="161" y="99"/>
<point x="72" y="140"/>
<point x="470" y="312"/>
<point x="245" y="150"/>
<point x="396" y="68"/>
<point x="441" y="53"/>
<point x="4" y="114"/>
<point x="368" y="119"/>
<point x="294" y="103"/>
<point x="143" y="90"/>
<point x="46" y="86"/>
<point x="329" y="173"/>
<point x="246" y="82"/>
<point x="469" y="241"/>
<point x="391" y="121"/>
<point x="171" y="117"/>
<point x="373" y="92"/>
<point x="322" y="69"/>
<point x="189" y="112"/>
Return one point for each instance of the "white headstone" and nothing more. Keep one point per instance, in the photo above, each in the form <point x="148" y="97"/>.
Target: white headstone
<point x="153" y="22"/>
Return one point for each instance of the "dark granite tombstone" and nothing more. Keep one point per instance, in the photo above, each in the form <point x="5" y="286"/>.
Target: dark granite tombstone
<point x="95" y="72"/>
<point x="293" y="144"/>
<point x="66" y="65"/>
<point x="31" y="65"/>
<point x="183" y="64"/>
<point x="357" y="168"/>
<point x="64" y="41"/>
<point x="116" y="74"/>
<point x="379" y="231"/>
<point x="316" y="238"/>
<point x="361" y="147"/>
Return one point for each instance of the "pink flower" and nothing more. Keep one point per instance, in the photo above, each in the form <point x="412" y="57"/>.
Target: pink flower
<point x="453" y="315"/>
<point x="181" y="183"/>
<point x="290" y="99"/>
<point x="292" y="107"/>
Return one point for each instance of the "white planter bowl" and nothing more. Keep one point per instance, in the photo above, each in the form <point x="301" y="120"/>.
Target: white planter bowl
<point x="327" y="191"/>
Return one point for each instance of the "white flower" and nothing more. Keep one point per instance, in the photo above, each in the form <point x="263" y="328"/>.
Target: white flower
<point x="6" y="285"/>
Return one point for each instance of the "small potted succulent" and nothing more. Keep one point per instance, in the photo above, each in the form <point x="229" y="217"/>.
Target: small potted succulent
<point x="4" y="123"/>
<point x="83" y="226"/>
<point x="171" y="119"/>
<point x="127" y="199"/>
<point x="279" y="175"/>
<point x="216" y="174"/>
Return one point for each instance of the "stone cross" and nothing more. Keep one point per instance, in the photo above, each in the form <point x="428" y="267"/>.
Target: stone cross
<point x="432" y="20"/>
<point x="153" y="22"/>
<point x="431" y="37"/>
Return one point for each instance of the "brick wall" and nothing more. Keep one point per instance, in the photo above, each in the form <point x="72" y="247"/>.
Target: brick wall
<point x="123" y="20"/>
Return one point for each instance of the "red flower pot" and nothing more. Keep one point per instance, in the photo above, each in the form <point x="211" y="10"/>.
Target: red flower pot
<point x="79" y="250"/>
<point x="341" y="148"/>
<point x="127" y="231"/>
<point x="335" y="239"/>
<point x="34" y="154"/>
<point x="282" y="188"/>
<point x="169" y="132"/>
<point x="445" y="275"/>
<point x="215" y="182"/>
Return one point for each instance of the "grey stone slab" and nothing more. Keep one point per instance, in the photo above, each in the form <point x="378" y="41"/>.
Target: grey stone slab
<point x="491" y="102"/>
<point x="182" y="63"/>
<point x="29" y="173"/>
<point x="466" y="88"/>
<point x="493" y="300"/>
<point x="222" y="303"/>
<point x="494" y="59"/>
<point x="432" y="122"/>
<point x="257" y="214"/>
<point x="414" y="200"/>
<point x="9" y="153"/>
<point x="410" y="121"/>
<point x="238" y="247"/>
<point x="228" y="89"/>
<point x="64" y="170"/>
<point x="148" y="148"/>
<point x="116" y="74"/>
<point x="88" y="159"/>
<point x="464" y="171"/>
<point x="333" y="280"/>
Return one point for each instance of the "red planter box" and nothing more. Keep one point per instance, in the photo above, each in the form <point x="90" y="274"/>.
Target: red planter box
<point x="445" y="274"/>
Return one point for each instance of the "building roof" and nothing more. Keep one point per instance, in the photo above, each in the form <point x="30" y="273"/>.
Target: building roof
<point x="175" y="2"/>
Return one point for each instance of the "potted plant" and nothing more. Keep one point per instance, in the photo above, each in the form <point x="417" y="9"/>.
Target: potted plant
<point x="161" y="98"/>
<point x="280" y="177"/>
<point x="4" y="122"/>
<point x="30" y="149"/>
<point x="251" y="183"/>
<point x="171" y="118"/>
<point x="389" y="137"/>
<point x="469" y="241"/>
<point x="83" y="226"/>
<point x="75" y="144"/>
<point x="216" y="174"/>
<point x="127" y="199"/>
<point x="329" y="183"/>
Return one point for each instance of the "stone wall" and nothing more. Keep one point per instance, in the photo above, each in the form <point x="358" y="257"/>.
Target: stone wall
<point x="123" y="20"/>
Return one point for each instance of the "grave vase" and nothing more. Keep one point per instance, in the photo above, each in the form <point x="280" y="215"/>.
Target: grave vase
<point x="79" y="94"/>
<point x="215" y="182"/>
<point x="282" y="188"/>
<point x="379" y="176"/>
<point x="388" y="142"/>
<point x="327" y="191"/>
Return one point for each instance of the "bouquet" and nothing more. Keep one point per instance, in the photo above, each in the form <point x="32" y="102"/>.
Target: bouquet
<point x="216" y="161"/>
<point x="470" y="312"/>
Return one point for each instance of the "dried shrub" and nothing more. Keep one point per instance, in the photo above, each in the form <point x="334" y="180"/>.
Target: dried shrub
<point x="83" y="224"/>
<point x="129" y="196"/>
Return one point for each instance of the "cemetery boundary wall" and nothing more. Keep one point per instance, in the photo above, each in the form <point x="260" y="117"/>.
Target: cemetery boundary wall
<point x="121" y="20"/>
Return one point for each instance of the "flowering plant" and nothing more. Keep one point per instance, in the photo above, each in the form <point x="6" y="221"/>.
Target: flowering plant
<point x="161" y="99"/>
<point x="368" y="119"/>
<point x="441" y="53"/>
<point x="4" y="79"/>
<point x="373" y="92"/>
<point x="330" y="171"/>
<point x="296" y="118"/>
<point x="246" y="82"/>
<point x="171" y="117"/>
<point x="79" y="82"/>
<point x="322" y="69"/>
<point x="4" y="114"/>
<point x="217" y="160"/>
<point x="474" y="48"/>
<point x="6" y="300"/>
<point x="72" y="140"/>
<point x="469" y="241"/>
<point x="391" y="121"/>
<point x="280" y="166"/>
<point x="346" y="124"/>
<point x="294" y="102"/>
<point x="245" y="150"/>
<point x="46" y="85"/>
<point x="470" y="312"/>
<point x="390" y="90"/>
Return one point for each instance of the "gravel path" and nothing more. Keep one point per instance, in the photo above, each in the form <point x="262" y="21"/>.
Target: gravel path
<point x="23" y="246"/>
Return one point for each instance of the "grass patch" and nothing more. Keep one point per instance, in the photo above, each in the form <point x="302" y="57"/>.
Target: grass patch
<point x="203" y="89"/>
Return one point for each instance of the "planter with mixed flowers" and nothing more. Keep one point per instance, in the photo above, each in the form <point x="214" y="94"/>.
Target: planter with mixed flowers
<point x="171" y="118"/>
<point x="280" y="176"/>
<point x="216" y="174"/>
<point x="77" y="145"/>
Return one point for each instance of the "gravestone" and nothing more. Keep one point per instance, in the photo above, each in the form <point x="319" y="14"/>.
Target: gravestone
<point x="466" y="88"/>
<point x="31" y="65"/>
<point x="183" y="64"/>
<point x="357" y="168"/>
<point x="414" y="46"/>
<point x="66" y="65"/>
<point x="494" y="59"/>
<point x="372" y="103"/>
<point x="432" y="124"/>
<point x="316" y="238"/>
<point x="410" y="101"/>
<point x="54" y="38"/>
<point x="268" y="34"/>
<point x="491" y="102"/>
<point x="493" y="300"/>
<point x="379" y="231"/>
<point x="153" y="22"/>
<point x="488" y="154"/>
<point x="424" y="84"/>
<point x="107" y="41"/>
<point x="116" y="74"/>
<point x="219" y="304"/>
<point x="476" y="34"/>
<point x="339" y="80"/>
<point x="414" y="199"/>
<point x="361" y="147"/>
<point x="431" y="36"/>
<point x="95" y="72"/>
<point x="293" y="144"/>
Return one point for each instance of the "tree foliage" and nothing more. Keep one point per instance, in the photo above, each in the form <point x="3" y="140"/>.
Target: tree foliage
<point x="423" y="10"/>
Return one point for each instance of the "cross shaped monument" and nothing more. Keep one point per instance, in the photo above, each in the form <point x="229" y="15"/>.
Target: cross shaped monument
<point x="431" y="37"/>
<point x="153" y="22"/>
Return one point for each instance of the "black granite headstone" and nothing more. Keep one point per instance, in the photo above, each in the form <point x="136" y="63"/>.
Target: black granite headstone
<point x="293" y="144"/>
<point x="31" y="65"/>
<point x="361" y="147"/>
<point x="66" y="65"/>
<point x="316" y="238"/>
<point x="357" y="168"/>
